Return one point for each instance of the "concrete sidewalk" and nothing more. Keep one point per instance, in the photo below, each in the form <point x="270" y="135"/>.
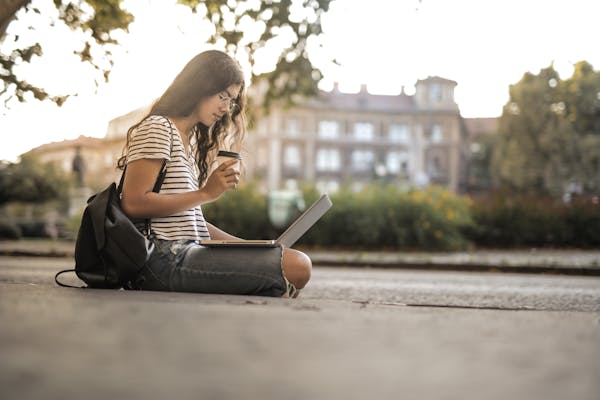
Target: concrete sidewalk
<point x="354" y="334"/>
<point x="567" y="262"/>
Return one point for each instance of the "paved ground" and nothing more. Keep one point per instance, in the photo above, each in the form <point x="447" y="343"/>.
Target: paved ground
<point x="355" y="334"/>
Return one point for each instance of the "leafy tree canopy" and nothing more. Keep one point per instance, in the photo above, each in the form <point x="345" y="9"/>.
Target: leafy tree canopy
<point x="550" y="133"/>
<point x="299" y="21"/>
<point x="31" y="181"/>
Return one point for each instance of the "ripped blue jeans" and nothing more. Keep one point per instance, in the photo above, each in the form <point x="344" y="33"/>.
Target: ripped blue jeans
<point x="184" y="266"/>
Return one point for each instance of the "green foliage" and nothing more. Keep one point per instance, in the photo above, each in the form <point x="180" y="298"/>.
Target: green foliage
<point x="99" y="18"/>
<point x="385" y="217"/>
<point x="378" y="217"/>
<point x="70" y="226"/>
<point x="505" y="220"/>
<point x="549" y="133"/>
<point x="294" y="74"/>
<point x="241" y="212"/>
<point x="9" y="230"/>
<point x="31" y="181"/>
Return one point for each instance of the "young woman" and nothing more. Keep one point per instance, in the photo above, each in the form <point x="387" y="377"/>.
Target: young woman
<point x="200" y="113"/>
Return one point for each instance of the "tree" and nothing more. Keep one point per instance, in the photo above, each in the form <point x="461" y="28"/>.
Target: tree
<point x="30" y="181"/>
<point x="299" y="21"/>
<point x="550" y="133"/>
<point x="99" y="19"/>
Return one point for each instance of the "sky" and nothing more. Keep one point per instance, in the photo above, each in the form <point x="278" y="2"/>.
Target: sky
<point x="485" y="46"/>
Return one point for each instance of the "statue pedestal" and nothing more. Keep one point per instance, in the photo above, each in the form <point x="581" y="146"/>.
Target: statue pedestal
<point x="78" y="200"/>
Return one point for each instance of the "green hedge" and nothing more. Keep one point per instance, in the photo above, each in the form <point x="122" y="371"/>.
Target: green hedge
<point x="508" y="220"/>
<point x="381" y="218"/>
<point x="429" y="219"/>
<point x="385" y="217"/>
<point x="378" y="217"/>
<point x="241" y="212"/>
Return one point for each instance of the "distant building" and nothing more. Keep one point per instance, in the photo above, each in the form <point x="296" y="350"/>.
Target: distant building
<point x="98" y="155"/>
<point x="355" y="138"/>
<point x="331" y="140"/>
<point x="478" y="146"/>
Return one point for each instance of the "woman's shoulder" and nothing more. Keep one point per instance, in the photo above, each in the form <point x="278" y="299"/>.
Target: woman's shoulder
<point x="156" y="120"/>
<point x="152" y="128"/>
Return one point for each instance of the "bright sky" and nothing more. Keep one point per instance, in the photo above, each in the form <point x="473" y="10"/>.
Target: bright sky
<point x="483" y="45"/>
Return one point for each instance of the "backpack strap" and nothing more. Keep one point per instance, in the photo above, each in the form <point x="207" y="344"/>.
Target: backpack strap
<point x="159" y="179"/>
<point x="59" y="283"/>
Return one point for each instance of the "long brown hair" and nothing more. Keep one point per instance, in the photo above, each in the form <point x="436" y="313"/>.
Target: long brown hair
<point x="205" y="75"/>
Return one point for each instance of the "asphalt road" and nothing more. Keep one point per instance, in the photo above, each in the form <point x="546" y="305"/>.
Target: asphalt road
<point x="354" y="334"/>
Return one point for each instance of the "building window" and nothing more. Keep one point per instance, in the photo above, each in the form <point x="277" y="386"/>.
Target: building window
<point x="292" y="127"/>
<point x="396" y="162"/>
<point x="291" y="157"/>
<point x="435" y="92"/>
<point x="362" y="160"/>
<point x="434" y="168"/>
<point x="328" y="160"/>
<point x="436" y="134"/>
<point x="328" y="129"/>
<point x="364" y="131"/>
<point x="399" y="133"/>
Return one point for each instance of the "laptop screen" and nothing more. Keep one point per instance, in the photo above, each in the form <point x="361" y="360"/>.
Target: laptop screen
<point x="305" y="221"/>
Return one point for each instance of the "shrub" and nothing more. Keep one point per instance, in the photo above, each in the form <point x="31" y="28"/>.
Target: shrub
<point x="385" y="217"/>
<point x="510" y="220"/>
<point x="10" y="230"/>
<point x="241" y="212"/>
<point x="33" y="229"/>
<point x="70" y="226"/>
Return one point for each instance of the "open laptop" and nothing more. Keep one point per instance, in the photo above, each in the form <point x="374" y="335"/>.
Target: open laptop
<point x="295" y="231"/>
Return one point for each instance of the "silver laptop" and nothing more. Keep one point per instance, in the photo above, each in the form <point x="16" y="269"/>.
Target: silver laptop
<point x="302" y="224"/>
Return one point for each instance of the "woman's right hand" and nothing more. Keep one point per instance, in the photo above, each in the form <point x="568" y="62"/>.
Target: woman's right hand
<point x="222" y="179"/>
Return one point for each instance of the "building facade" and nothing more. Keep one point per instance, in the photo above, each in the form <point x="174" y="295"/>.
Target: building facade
<point x="332" y="140"/>
<point x="355" y="138"/>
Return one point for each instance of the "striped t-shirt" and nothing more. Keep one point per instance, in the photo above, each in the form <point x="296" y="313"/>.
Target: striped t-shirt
<point x="152" y="139"/>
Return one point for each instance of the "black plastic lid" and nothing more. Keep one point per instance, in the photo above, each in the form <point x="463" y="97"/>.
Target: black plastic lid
<point x="223" y="153"/>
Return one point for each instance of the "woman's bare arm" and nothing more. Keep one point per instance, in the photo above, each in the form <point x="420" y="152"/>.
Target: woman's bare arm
<point x="139" y="201"/>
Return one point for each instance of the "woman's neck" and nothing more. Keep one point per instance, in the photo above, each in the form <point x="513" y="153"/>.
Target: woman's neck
<point x="184" y="126"/>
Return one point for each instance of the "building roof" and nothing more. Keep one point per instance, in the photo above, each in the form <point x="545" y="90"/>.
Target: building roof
<point x="481" y="126"/>
<point x="437" y="79"/>
<point x="82" y="141"/>
<point x="362" y="101"/>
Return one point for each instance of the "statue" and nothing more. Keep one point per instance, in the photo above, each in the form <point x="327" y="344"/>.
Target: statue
<point x="78" y="167"/>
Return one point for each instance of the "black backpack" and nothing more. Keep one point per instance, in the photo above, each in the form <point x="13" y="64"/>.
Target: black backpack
<point x="110" y="251"/>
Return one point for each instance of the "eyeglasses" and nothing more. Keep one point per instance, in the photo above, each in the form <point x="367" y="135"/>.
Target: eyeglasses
<point x="226" y="99"/>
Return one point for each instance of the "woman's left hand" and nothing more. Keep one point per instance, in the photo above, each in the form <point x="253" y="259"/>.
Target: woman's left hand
<point x="222" y="179"/>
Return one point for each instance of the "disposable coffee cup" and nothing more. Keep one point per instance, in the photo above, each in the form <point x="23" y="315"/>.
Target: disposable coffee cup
<point x="223" y="156"/>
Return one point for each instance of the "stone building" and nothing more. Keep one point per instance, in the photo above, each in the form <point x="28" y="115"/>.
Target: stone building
<point x="331" y="140"/>
<point x="99" y="157"/>
<point x="354" y="138"/>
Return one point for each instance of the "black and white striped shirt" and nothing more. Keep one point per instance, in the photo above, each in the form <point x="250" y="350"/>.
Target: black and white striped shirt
<point x="152" y="140"/>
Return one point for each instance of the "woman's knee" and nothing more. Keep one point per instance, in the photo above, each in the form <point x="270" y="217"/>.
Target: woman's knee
<point x="297" y="267"/>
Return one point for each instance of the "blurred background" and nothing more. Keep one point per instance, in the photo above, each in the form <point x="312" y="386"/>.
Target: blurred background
<point x="433" y="125"/>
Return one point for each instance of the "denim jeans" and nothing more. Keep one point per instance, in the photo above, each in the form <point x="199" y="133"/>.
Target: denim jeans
<point x="185" y="266"/>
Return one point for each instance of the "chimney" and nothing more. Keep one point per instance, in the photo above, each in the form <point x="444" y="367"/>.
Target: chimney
<point x="363" y="88"/>
<point x="336" y="87"/>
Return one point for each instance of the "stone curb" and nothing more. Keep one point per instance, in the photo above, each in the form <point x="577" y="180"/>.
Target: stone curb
<point x="584" y="263"/>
